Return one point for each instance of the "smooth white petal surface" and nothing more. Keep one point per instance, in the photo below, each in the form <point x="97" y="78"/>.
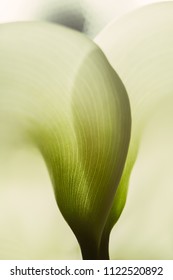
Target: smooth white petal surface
<point x="98" y="13"/>
<point x="140" y="47"/>
<point x="59" y="94"/>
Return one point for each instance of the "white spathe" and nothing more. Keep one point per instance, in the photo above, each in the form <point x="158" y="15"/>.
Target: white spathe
<point x="140" y="48"/>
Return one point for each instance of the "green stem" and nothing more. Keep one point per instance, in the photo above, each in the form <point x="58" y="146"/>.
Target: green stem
<point x="89" y="251"/>
<point x="92" y="251"/>
<point x="104" y="246"/>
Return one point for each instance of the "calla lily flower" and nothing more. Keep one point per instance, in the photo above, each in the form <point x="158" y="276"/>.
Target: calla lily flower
<point x="149" y="56"/>
<point x="80" y="122"/>
<point x="138" y="45"/>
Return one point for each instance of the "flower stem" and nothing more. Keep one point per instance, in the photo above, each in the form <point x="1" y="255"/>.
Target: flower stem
<point x="104" y="246"/>
<point x="91" y="250"/>
<point x="89" y="253"/>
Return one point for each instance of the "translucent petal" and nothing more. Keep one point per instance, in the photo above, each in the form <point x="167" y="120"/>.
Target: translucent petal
<point x="140" y="47"/>
<point x="59" y="93"/>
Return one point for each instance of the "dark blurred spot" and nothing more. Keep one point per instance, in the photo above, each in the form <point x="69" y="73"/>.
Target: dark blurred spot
<point x="69" y="19"/>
